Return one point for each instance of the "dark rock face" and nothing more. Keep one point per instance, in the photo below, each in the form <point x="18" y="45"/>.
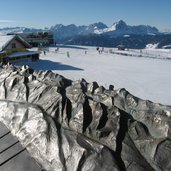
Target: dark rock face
<point x="75" y="125"/>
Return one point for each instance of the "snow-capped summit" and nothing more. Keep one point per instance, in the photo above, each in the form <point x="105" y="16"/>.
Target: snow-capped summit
<point x="119" y="25"/>
<point x="98" y="25"/>
<point x="61" y="31"/>
<point x="93" y="28"/>
<point x="121" y="28"/>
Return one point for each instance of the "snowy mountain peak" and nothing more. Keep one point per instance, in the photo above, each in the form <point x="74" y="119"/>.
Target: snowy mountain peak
<point x="116" y="25"/>
<point x="121" y="25"/>
<point x="121" y="28"/>
<point x="98" y="25"/>
<point x="57" y="26"/>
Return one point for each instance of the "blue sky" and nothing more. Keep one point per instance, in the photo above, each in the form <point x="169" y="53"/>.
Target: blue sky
<point x="45" y="13"/>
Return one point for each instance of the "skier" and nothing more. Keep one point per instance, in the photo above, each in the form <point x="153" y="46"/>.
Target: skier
<point x="68" y="54"/>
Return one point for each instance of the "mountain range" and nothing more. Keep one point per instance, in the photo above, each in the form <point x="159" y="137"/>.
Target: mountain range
<point x="116" y="29"/>
<point x="99" y="34"/>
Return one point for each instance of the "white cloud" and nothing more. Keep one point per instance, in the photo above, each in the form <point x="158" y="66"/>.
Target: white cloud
<point x="7" y="21"/>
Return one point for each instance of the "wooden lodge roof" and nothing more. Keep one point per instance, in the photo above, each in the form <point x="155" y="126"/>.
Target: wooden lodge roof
<point x="5" y="41"/>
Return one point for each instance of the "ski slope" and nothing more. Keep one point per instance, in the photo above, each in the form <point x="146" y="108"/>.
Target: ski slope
<point x="145" y="77"/>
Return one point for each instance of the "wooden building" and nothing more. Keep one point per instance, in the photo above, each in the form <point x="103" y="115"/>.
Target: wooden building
<point x="121" y="47"/>
<point x="14" y="48"/>
<point x="37" y="39"/>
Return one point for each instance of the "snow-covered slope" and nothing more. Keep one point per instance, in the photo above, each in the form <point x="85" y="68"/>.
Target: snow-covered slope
<point x="147" y="78"/>
<point x="151" y="46"/>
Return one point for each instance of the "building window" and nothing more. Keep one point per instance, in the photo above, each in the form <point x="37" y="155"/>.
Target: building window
<point x="13" y="45"/>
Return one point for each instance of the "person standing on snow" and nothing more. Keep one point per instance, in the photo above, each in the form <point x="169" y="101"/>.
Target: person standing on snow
<point x="68" y="54"/>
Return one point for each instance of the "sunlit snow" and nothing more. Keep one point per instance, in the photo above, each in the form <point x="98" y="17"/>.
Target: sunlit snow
<point x="145" y="77"/>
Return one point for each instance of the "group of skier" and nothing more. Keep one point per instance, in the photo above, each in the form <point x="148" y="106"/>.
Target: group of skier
<point x="100" y="50"/>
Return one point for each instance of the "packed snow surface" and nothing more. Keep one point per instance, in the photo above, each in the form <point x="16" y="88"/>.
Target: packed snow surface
<point x="146" y="77"/>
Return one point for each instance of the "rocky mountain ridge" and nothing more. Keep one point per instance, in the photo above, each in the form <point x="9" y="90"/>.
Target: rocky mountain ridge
<point x="117" y="29"/>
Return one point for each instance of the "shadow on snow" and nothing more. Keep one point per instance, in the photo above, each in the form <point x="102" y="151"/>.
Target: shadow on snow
<point x="70" y="46"/>
<point x="49" y="65"/>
